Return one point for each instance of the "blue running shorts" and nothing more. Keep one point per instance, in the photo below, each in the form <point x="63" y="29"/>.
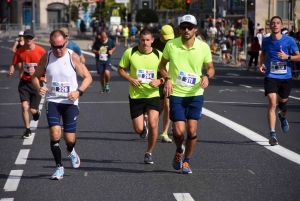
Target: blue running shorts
<point x="185" y="108"/>
<point x="68" y="112"/>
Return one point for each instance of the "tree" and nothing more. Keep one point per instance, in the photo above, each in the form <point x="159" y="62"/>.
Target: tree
<point x="146" y="16"/>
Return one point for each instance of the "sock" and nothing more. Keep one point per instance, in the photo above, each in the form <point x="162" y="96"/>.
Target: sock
<point x="70" y="146"/>
<point x="149" y="153"/>
<point x="272" y="133"/>
<point x="180" y="150"/>
<point x="56" y="151"/>
<point x="186" y="160"/>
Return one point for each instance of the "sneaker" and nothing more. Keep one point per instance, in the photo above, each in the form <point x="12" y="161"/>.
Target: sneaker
<point x="107" y="88"/>
<point x="74" y="158"/>
<point x="284" y="125"/>
<point x="36" y="116"/>
<point x="177" y="161"/>
<point x="102" y="91"/>
<point x="186" y="168"/>
<point x="27" y="134"/>
<point x="165" y="138"/>
<point x="59" y="173"/>
<point x="148" y="159"/>
<point x="273" y="140"/>
<point x="145" y="131"/>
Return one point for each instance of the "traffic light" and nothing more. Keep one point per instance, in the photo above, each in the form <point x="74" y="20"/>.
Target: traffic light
<point x="187" y="4"/>
<point x="103" y="3"/>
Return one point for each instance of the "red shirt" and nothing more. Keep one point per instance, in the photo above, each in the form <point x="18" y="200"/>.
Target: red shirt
<point x="29" y="59"/>
<point x="255" y="47"/>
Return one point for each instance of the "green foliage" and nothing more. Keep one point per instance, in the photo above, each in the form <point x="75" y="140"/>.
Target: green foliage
<point x="176" y="5"/>
<point x="146" y="16"/>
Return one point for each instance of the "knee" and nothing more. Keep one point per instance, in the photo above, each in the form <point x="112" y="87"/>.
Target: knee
<point x="33" y="111"/>
<point x="25" y="106"/>
<point x="272" y="105"/>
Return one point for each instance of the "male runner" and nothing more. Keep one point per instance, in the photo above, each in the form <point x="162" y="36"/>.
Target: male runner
<point x="185" y="85"/>
<point x="28" y="56"/>
<point x="61" y="66"/>
<point x="103" y="49"/>
<point x="143" y="88"/>
<point x="166" y="34"/>
<point x="277" y="53"/>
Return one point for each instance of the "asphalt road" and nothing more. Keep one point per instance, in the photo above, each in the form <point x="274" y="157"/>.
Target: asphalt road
<point x="232" y="159"/>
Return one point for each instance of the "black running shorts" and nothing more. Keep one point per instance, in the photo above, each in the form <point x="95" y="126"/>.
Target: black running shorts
<point x="139" y="106"/>
<point x="282" y="87"/>
<point x="28" y="93"/>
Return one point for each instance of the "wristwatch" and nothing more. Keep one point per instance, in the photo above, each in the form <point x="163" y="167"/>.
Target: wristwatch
<point x="166" y="79"/>
<point x="207" y="75"/>
<point x="289" y="57"/>
<point x="80" y="92"/>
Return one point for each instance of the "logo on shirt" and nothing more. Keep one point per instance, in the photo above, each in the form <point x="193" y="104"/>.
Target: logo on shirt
<point x="182" y="73"/>
<point x="56" y="84"/>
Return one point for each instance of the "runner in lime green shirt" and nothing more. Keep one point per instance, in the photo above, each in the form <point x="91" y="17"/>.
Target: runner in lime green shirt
<point x="125" y="34"/>
<point x="185" y="85"/>
<point x="143" y="61"/>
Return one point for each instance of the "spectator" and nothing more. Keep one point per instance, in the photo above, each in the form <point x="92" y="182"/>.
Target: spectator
<point x="82" y="28"/>
<point x="239" y="44"/>
<point x="254" y="52"/>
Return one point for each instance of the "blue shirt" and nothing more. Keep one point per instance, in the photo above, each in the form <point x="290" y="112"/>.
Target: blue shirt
<point x="73" y="46"/>
<point x="277" y="68"/>
<point x="133" y="30"/>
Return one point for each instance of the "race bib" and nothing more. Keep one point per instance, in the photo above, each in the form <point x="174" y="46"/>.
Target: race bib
<point x="278" y="67"/>
<point x="145" y="75"/>
<point x="26" y="66"/>
<point x="103" y="57"/>
<point x="186" y="79"/>
<point x="61" y="89"/>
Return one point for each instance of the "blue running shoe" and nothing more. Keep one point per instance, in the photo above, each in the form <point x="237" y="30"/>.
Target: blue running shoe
<point x="177" y="161"/>
<point x="284" y="125"/>
<point x="273" y="140"/>
<point x="59" y="173"/>
<point x="107" y="88"/>
<point x="74" y="158"/>
<point x="186" y="169"/>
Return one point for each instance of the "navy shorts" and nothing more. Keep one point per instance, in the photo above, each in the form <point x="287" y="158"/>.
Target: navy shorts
<point x="185" y="108"/>
<point x="68" y="112"/>
<point x="101" y="67"/>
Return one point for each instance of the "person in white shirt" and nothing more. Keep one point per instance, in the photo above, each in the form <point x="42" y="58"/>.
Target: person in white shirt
<point x="267" y="33"/>
<point x="260" y="36"/>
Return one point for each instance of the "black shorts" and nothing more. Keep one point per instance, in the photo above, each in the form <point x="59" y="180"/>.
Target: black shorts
<point x="139" y="106"/>
<point x="161" y="92"/>
<point x="282" y="87"/>
<point x="28" y="93"/>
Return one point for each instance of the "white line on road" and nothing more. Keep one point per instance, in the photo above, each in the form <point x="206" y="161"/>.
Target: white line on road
<point x="13" y="180"/>
<point x="29" y="141"/>
<point x="183" y="197"/>
<point x="292" y="156"/>
<point x="227" y="82"/>
<point x="7" y="199"/>
<point x="245" y="86"/>
<point x="22" y="157"/>
<point x="4" y="87"/>
<point x="251" y="171"/>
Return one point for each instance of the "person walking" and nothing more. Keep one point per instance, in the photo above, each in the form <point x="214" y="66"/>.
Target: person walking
<point x="166" y="34"/>
<point x="185" y="85"/>
<point x="143" y="88"/>
<point x="28" y="57"/>
<point x="61" y="66"/>
<point x="103" y="48"/>
<point x="278" y="51"/>
<point x="254" y="52"/>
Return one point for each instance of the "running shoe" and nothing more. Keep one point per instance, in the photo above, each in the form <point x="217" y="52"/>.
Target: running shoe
<point x="36" y="116"/>
<point x="74" y="158"/>
<point x="27" y="134"/>
<point x="165" y="138"/>
<point x="145" y="131"/>
<point x="284" y="125"/>
<point x="107" y="88"/>
<point x="102" y="91"/>
<point x="148" y="159"/>
<point x="59" y="173"/>
<point x="273" y="140"/>
<point x="177" y="161"/>
<point x="186" y="169"/>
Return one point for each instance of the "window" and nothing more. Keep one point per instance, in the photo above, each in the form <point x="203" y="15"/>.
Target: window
<point x="283" y="9"/>
<point x="237" y="4"/>
<point x="206" y="4"/>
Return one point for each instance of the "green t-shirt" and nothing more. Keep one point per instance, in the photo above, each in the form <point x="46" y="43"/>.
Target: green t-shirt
<point x="125" y="32"/>
<point x="239" y="32"/>
<point x="186" y="65"/>
<point x="144" y="67"/>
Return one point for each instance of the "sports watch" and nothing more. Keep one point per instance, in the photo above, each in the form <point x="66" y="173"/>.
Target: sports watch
<point x="289" y="57"/>
<point x="166" y="79"/>
<point x="207" y="75"/>
<point x="80" y="92"/>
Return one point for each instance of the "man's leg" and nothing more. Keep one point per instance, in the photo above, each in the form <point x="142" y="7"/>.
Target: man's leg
<point x="153" y="129"/>
<point x="107" y="77"/>
<point x="271" y="110"/>
<point x="166" y="120"/>
<point x="191" y="128"/>
<point x="26" y="119"/>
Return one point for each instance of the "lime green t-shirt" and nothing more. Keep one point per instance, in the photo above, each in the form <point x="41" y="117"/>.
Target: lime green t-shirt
<point x="125" y="32"/>
<point x="142" y="67"/>
<point x="186" y="65"/>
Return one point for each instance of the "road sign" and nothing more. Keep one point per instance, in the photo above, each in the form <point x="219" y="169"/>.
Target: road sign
<point x="122" y="1"/>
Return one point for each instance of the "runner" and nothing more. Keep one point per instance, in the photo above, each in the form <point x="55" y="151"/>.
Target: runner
<point x="143" y="88"/>
<point x="18" y="43"/>
<point x="28" y="57"/>
<point x="166" y="33"/>
<point x="103" y="49"/>
<point x="125" y="34"/>
<point x="185" y="86"/>
<point x="62" y="92"/>
<point x="277" y="53"/>
<point x="72" y="45"/>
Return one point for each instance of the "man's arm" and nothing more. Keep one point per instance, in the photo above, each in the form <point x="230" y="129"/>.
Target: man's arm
<point x="210" y="72"/>
<point x="162" y="67"/>
<point x="133" y="82"/>
<point x="82" y="58"/>
<point x="39" y="72"/>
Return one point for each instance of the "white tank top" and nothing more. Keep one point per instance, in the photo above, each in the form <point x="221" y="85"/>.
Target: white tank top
<point x="61" y="78"/>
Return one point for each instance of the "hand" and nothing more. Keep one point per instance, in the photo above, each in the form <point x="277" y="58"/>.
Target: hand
<point x="154" y="82"/>
<point x="282" y="55"/>
<point x="135" y="82"/>
<point x="42" y="91"/>
<point x="204" y="82"/>
<point x="110" y="52"/>
<point x="31" y="71"/>
<point x="262" y="68"/>
<point x="168" y="88"/>
<point x="73" y="96"/>
<point x="9" y="74"/>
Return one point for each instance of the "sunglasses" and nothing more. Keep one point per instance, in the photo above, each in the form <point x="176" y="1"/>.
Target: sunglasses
<point x="189" y="27"/>
<point x="58" y="46"/>
<point x="28" y="37"/>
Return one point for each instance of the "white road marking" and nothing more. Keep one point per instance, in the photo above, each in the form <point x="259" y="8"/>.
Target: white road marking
<point x="251" y="171"/>
<point x="106" y="102"/>
<point x="232" y="74"/>
<point x="245" y="86"/>
<point x="86" y="174"/>
<point x="7" y="199"/>
<point x="4" y="87"/>
<point x="293" y="97"/>
<point x="281" y="151"/>
<point x="227" y="82"/>
<point x="33" y="125"/>
<point x="183" y="197"/>
<point x="22" y="157"/>
<point x="29" y="141"/>
<point x="13" y="180"/>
